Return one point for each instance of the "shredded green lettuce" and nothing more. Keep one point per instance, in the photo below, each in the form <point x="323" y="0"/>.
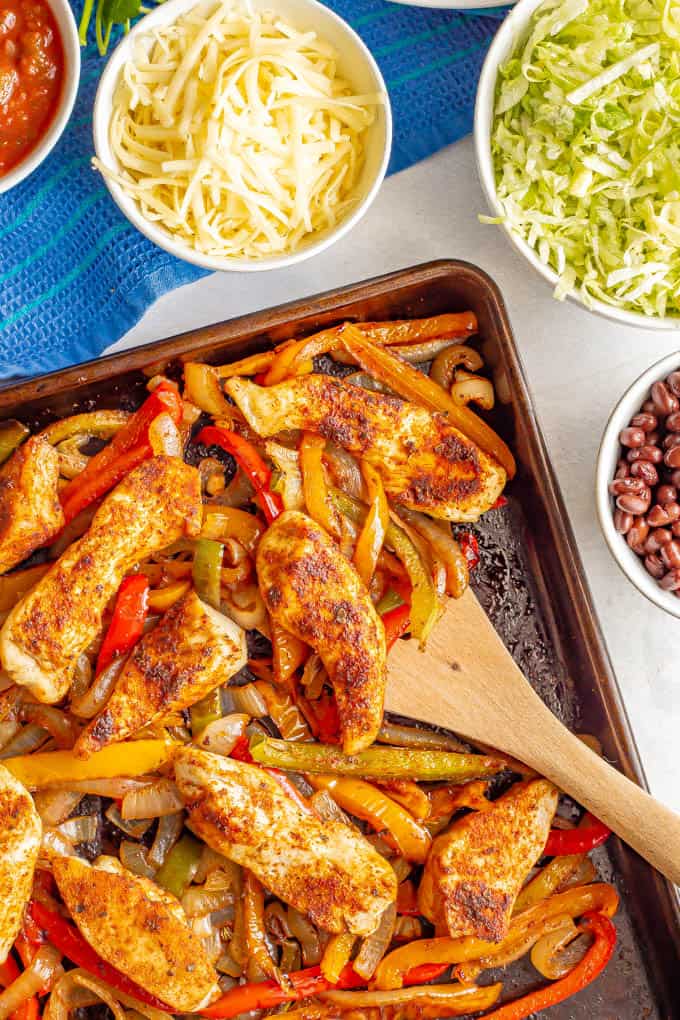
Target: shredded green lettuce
<point x="586" y="149"/>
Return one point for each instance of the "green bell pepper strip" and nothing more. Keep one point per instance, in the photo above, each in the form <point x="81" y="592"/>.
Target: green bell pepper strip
<point x="180" y="865"/>
<point x="424" y="602"/>
<point x="207" y="570"/>
<point x="205" y="711"/>
<point x="390" y="600"/>
<point x="373" y="763"/>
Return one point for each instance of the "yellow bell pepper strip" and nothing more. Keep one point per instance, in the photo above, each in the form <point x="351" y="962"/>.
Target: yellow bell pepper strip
<point x="288" y="653"/>
<point x="547" y="881"/>
<point x="413" y="385"/>
<point x="380" y="811"/>
<point x="315" y="490"/>
<point x="103" y="424"/>
<point x="67" y="939"/>
<point x="598" y="897"/>
<point x="207" y="570"/>
<point x="12" y="435"/>
<point x="424" y="602"/>
<point x="563" y="842"/>
<point x="225" y="522"/>
<point x="202" y="388"/>
<point x="375" y="762"/>
<point x="127" y="623"/>
<point x="179" y="867"/>
<point x="160" y="599"/>
<point x="584" y="973"/>
<point x="250" y="462"/>
<point x="251" y="365"/>
<point x="129" y="447"/>
<point x="336" y="956"/>
<point x="14" y="586"/>
<point x="372" y="535"/>
<point x="127" y="759"/>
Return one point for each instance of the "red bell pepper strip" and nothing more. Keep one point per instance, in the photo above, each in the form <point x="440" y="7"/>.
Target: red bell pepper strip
<point x="129" y="447"/>
<point x="302" y="985"/>
<point x="470" y="548"/>
<point x="127" y="622"/>
<point x="325" y="713"/>
<point x="241" y="750"/>
<point x="593" y="963"/>
<point x="562" y="842"/>
<point x="250" y="462"/>
<point x="67" y="939"/>
<point x="500" y="502"/>
<point x="396" y="622"/>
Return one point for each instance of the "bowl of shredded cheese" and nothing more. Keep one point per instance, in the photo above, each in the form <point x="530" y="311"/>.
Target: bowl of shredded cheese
<point x="242" y="134"/>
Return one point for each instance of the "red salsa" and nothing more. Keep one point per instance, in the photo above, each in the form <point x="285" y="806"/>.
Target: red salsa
<point x="31" y="74"/>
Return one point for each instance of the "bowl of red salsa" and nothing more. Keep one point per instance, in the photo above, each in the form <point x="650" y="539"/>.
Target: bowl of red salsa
<point x="39" y="73"/>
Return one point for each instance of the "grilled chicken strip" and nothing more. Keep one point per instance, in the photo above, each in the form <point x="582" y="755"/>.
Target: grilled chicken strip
<point x="313" y="591"/>
<point x="139" y="928"/>
<point x="424" y="462"/>
<point x="20" y="836"/>
<point x="30" y="511"/>
<point x="48" y="629"/>
<point x="475" y="871"/>
<point x="192" y="650"/>
<point x="325" y="869"/>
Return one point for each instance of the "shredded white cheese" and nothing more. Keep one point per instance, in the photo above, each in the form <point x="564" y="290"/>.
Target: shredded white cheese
<point x="234" y="132"/>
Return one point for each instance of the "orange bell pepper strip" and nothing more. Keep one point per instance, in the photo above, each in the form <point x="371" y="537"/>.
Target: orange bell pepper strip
<point x="381" y="812"/>
<point x="336" y="956"/>
<point x="250" y="462"/>
<point x="598" y="897"/>
<point x="407" y="900"/>
<point x="256" y="936"/>
<point x="129" y="447"/>
<point x="584" y="973"/>
<point x="315" y="490"/>
<point x="563" y="842"/>
<point x="160" y="599"/>
<point x="413" y="385"/>
<point x="372" y="534"/>
<point x="127" y="623"/>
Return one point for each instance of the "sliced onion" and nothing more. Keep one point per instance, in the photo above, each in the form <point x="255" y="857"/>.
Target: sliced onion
<point x="8" y="730"/>
<point x="132" y="827"/>
<point x="221" y="736"/>
<point x="476" y="389"/>
<point x="289" y="482"/>
<point x="64" y="730"/>
<point x="82" y="677"/>
<point x="327" y="809"/>
<point x="133" y="857"/>
<point x="375" y="946"/>
<point x="27" y="740"/>
<point x="161" y="798"/>
<point x="167" y="834"/>
<point x="78" y="988"/>
<point x="448" y="360"/>
<point x="345" y="470"/>
<point x="444" y="547"/>
<point x="467" y="998"/>
<point x="247" y="700"/>
<point x="73" y="530"/>
<point x="55" y="842"/>
<point x="114" y="788"/>
<point x="412" y="736"/>
<point x="82" y="829"/>
<point x="246" y="608"/>
<point x="164" y="437"/>
<point x="402" y="868"/>
<point x="226" y="964"/>
<point x="367" y="382"/>
<point x="307" y="935"/>
<point x="558" y="952"/>
<point x="54" y="806"/>
<point x="94" y="699"/>
<point x="407" y="929"/>
<point x="39" y="973"/>
<point x="201" y="902"/>
<point x="212" y="861"/>
<point x="238" y="492"/>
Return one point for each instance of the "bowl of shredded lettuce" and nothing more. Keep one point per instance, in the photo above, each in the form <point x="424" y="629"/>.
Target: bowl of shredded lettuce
<point x="577" y="135"/>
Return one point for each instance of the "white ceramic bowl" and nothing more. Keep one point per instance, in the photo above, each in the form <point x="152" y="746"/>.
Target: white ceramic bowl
<point x="609" y="453"/>
<point x="68" y="29"/>
<point x="355" y="63"/>
<point x="513" y="31"/>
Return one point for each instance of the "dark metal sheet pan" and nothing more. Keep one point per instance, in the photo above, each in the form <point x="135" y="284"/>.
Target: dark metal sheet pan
<point x="530" y="580"/>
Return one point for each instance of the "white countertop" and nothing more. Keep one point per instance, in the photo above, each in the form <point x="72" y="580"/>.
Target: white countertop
<point x="577" y="365"/>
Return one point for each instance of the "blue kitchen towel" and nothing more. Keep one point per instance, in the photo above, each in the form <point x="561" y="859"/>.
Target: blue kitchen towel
<point x="75" y="276"/>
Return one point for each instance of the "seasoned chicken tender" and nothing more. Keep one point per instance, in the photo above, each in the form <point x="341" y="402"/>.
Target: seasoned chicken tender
<point x="475" y="871"/>
<point x="192" y="650"/>
<point x="30" y="511"/>
<point x="139" y="928"/>
<point x="313" y="591"/>
<point x="325" y="869"/>
<point x="20" y="837"/>
<point x="55" y="622"/>
<point x="424" y="462"/>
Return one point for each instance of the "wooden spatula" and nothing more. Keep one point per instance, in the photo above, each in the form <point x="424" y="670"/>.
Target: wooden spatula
<point x="467" y="681"/>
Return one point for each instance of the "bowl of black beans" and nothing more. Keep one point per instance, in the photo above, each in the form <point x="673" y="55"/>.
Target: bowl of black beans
<point x="638" y="483"/>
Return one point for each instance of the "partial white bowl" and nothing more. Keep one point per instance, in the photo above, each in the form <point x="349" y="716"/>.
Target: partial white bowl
<point x="355" y="63"/>
<point x="607" y="458"/>
<point x="513" y="31"/>
<point x="68" y="29"/>
<point x="452" y="5"/>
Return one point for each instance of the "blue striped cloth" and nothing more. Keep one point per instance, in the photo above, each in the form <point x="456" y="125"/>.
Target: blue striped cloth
<point x="74" y="276"/>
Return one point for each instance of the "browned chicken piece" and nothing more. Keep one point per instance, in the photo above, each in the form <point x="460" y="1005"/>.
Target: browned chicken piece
<point x="30" y="511"/>
<point x="192" y="650"/>
<point x="475" y="871"/>
<point x="313" y="591"/>
<point x="139" y="928"/>
<point x="425" y="463"/>
<point x="20" y="836"/>
<point x="55" y="622"/>
<point x="325" y="869"/>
